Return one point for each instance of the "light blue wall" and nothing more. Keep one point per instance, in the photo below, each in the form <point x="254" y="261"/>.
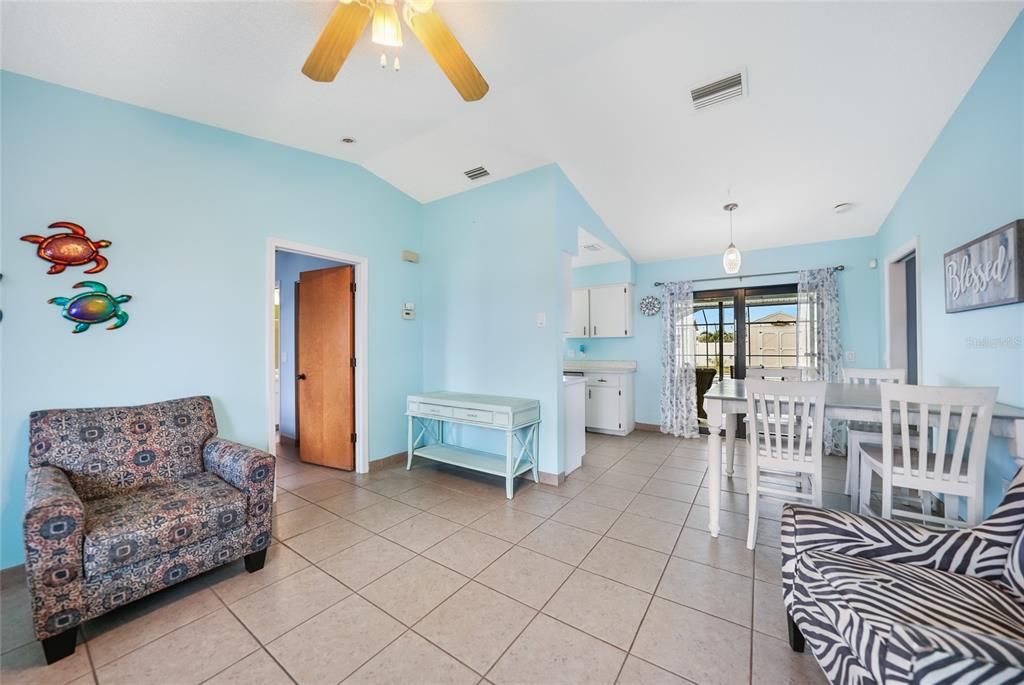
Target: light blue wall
<point x="971" y="182"/>
<point x="188" y="208"/>
<point x="288" y="266"/>
<point x="490" y="266"/>
<point x="859" y="288"/>
<point x="602" y="274"/>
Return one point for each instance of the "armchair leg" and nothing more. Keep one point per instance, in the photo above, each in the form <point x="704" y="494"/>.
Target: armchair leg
<point x="254" y="562"/>
<point x="59" y="646"/>
<point x="796" y="638"/>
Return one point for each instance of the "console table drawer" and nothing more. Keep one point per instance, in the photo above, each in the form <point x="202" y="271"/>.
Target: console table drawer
<point x="473" y="415"/>
<point x="435" y="410"/>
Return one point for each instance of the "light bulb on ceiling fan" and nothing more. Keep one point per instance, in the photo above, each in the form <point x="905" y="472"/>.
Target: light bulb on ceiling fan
<point x="387" y="30"/>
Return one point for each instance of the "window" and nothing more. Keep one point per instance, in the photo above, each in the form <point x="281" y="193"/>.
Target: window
<point x="735" y="330"/>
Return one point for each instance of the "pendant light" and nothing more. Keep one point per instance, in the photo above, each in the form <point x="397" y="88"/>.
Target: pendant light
<point x="732" y="259"/>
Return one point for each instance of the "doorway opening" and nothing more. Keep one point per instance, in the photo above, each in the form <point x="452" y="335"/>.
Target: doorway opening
<point x="902" y="311"/>
<point x="317" y="355"/>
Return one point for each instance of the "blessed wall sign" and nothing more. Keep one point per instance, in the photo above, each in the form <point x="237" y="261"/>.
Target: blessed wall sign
<point x="986" y="272"/>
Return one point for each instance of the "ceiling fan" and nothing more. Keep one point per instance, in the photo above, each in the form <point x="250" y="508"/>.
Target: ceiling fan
<point x="349" y="19"/>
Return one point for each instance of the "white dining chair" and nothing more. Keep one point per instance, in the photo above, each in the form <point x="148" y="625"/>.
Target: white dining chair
<point x="949" y="459"/>
<point x="863" y="432"/>
<point x="794" y="453"/>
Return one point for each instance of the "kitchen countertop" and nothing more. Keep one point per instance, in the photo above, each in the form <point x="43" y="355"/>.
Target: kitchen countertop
<point x="608" y="365"/>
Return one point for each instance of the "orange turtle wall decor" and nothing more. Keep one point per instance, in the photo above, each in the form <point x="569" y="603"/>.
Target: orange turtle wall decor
<point x="69" y="249"/>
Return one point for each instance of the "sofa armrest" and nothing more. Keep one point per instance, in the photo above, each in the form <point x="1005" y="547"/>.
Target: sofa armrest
<point x="919" y="654"/>
<point x="54" y="527"/>
<point x="251" y="471"/>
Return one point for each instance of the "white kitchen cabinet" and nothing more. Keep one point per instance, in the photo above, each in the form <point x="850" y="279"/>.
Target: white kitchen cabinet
<point x="610" y="403"/>
<point x="604" y="311"/>
<point x="580" y="327"/>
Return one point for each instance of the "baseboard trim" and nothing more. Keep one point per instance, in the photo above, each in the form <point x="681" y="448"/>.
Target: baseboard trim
<point x="553" y="479"/>
<point x="649" y="427"/>
<point x="11" y="576"/>
<point x="398" y="458"/>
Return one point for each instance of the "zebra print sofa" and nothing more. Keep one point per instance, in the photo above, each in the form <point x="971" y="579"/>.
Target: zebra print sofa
<point x="883" y="601"/>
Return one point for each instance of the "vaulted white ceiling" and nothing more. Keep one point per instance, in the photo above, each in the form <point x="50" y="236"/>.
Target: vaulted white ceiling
<point x="845" y="99"/>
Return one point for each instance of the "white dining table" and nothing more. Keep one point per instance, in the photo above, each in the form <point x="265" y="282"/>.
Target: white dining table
<point x="725" y="400"/>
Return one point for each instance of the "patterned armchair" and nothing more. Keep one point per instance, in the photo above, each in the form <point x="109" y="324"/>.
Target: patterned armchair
<point x="882" y="601"/>
<point x="121" y="502"/>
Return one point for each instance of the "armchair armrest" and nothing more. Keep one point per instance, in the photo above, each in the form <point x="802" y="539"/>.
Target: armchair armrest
<point x="251" y="471"/>
<point x="979" y="551"/>
<point x="54" y="527"/>
<point x="919" y="654"/>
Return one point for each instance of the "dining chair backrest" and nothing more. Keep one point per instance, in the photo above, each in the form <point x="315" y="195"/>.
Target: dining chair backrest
<point x="873" y="376"/>
<point x="961" y="419"/>
<point x="762" y="373"/>
<point x="785" y="421"/>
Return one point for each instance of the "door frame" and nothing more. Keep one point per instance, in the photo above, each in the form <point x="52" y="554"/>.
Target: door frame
<point x="362" y="279"/>
<point x="894" y="301"/>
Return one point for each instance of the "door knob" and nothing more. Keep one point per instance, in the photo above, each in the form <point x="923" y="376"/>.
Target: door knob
<point x="300" y="377"/>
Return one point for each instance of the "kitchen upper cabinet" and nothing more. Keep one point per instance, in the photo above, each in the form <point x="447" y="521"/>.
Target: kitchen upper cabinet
<point x="580" y="327"/>
<point x="604" y="311"/>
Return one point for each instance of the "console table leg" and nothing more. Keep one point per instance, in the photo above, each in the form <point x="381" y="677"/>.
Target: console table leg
<point x="408" y="464"/>
<point x="508" y="464"/>
<point x="536" y="453"/>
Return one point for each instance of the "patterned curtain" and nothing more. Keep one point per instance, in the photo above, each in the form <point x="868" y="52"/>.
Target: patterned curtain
<point x="822" y="353"/>
<point x="678" y="355"/>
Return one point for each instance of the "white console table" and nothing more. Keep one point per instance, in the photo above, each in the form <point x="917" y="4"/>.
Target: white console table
<point x="518" y="418"/>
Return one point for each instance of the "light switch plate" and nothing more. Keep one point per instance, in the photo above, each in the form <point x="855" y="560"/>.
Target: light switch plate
<point x="542" y="320"/>
<point x="851" y="356"/>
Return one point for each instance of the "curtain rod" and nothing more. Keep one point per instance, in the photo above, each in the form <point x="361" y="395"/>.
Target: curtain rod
<point x="838" y="267"/>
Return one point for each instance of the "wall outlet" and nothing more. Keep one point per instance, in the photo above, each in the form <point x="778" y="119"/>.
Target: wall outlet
<point x="851" y="356"/>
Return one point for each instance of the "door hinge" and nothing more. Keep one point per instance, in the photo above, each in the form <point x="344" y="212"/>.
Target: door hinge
<point x="625" y="291"/>
<point x="353" y="437"/>
<point x="620" y="393"/>
<point x="620" y="426"/>
<point x="352" y="286"/>
<point x="353" y="362"/>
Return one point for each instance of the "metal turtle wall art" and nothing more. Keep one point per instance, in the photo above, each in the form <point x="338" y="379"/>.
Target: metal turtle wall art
<point x="92" y="307"/>
<point x="74" y="248"/>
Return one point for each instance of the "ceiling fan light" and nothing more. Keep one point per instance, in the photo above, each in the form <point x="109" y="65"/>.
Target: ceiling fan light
<point x="732" y="259"/>
<point x="387" y="30"/>
<point x="420" y="5"/>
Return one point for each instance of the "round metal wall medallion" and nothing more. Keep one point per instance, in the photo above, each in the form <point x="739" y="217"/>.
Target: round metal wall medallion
<point x="650" y="305"/>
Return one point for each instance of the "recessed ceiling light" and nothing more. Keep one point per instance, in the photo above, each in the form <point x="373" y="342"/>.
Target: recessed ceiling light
<point x="348" y="141"/>
<point x="843" y="207"/>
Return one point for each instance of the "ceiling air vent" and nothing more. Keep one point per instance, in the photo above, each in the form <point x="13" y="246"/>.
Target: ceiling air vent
<point x="592" y="247"/>
<point x="478" y="173"/>
<point x="721" y="90"/>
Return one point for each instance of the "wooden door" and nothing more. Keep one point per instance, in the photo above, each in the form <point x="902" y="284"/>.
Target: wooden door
<point x="580" y="313"/>
<point x="607" y="311"/>
<point x="325" y="367"/>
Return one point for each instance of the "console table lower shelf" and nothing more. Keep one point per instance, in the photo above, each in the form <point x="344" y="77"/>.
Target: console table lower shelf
<point x="519" y="419"/>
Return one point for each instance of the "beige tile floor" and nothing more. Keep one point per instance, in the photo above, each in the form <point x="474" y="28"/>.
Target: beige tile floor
<point x="431" y="576"/>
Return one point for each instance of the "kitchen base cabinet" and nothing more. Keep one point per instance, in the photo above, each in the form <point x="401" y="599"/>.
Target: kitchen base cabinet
<point x="610" y="403"/>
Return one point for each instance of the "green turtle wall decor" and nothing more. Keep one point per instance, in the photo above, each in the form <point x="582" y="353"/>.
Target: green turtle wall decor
<point x="92" y="307"/>
<point x="69" y="249"/>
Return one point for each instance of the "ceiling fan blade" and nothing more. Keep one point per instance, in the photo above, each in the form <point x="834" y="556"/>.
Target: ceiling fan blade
<point x="342" y="31"/>
<point x="431" y="30"/>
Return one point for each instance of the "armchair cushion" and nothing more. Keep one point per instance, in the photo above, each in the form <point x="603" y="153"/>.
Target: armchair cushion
<point x="139" y="524"/>
<point x="113" y="449"/>
<point x="934" y="655"/>
<point x="54" y="526"/>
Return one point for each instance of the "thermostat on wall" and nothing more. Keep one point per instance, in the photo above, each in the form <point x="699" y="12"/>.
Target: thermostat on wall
<point x="409" y="310"/>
